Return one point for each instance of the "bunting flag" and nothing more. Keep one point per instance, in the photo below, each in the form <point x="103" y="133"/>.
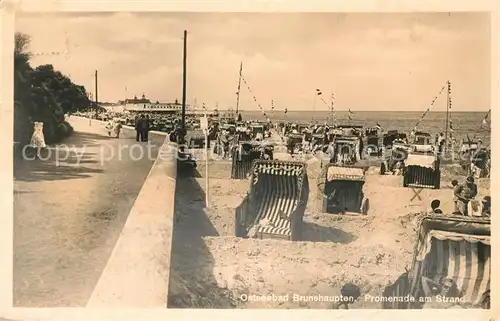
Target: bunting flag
<point x="203" y="106"/>
<point x="251" y="92"/>
<point x="485" y="119"/>
<point x="450" y="138"/>
<point x="447" y="85"/>
<point x="449" y="94"/>
<point x="332" y="106"/>
<point x="421" y="118"/>
<point x="350" y="114"/>
<point x="286" y="110"/>
<point x="319" y="93"/>
<point x="272" y="104"/>
<point x="379" y="127"/>
<point x="239" y="83"/>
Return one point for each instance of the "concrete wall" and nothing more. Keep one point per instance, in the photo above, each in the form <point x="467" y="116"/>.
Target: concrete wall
<point x="137" y="273"/>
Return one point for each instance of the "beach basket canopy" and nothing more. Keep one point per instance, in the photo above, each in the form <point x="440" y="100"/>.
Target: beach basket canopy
<point x="345" y="173"/>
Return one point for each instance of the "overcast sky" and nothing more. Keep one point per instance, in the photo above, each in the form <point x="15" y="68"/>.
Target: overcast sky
<point x="371" y="61"/>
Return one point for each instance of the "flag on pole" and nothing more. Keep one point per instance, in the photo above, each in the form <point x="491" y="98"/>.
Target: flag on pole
<point x="379" y="127"/>
<point x="239" y="82"/>
<point x="449" y="94"/>
<point x="286" y="110"/>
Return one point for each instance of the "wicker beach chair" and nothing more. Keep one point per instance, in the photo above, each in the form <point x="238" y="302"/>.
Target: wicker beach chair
<point x="422" y="171"/>
<point x="243" y="157"/>
<point x="341" y="190"/>
<point x="454" y="247"/>
<point x="276" y="202"/>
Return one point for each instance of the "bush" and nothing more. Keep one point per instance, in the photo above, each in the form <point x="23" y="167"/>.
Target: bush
<point x="64" y="130"/>
<point x="50" y="132"/>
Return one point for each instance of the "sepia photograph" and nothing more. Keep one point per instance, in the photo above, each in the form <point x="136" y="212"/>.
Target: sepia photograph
<point x="276" y="160"/>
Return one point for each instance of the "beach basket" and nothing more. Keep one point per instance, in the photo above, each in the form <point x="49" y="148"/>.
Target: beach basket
<point x="454" y="247"/>
<point x="276" y="201"/>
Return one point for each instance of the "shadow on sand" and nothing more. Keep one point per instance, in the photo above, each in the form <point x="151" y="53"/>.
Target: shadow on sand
<point x="313" y="232"/>
<point x="192" y="281"/>
<point x="83" y="139"/>
<point x="59" y="162"/>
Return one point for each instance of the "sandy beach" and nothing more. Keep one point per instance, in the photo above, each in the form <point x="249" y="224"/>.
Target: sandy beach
<point x="370" y="251"/>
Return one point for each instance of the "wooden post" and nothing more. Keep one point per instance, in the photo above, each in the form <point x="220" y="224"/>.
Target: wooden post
<point x="96" y="94"/>
<point x="204" y="127"/>
<point x="207" y="188"/>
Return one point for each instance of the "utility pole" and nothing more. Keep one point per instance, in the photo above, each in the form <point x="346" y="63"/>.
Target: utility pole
<point x="96" y="96"/>
<point x="184" y="67"/>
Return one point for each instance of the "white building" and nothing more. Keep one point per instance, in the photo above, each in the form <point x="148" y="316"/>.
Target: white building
<point x="144" y="105"/>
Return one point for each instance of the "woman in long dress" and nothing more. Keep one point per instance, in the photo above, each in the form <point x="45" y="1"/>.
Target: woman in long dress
<point x="37" y="139"/>
<point x="117" y="127"/>
<point x="109" y="127"/>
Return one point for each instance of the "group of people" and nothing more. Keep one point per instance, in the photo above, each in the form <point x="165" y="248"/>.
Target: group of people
<point x="142" y="127"/>
<point x="114" y="127"/>
<point x="464" y="200"/>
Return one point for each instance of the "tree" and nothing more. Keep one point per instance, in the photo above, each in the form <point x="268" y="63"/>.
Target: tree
<point x="42" y="94"/>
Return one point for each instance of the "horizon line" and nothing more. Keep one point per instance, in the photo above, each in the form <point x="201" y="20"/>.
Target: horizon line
<point x="364" y="110"/>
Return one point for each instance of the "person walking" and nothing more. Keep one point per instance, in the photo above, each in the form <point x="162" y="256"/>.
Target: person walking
<point x="109" y="127"/>
<point x="173" y="135"/>
<point x="441" y="140"/>
<point x="117" y="127"/>
<point x="464" y="194"/>
<point x="138" y="128"/>
<point x="145" y="128"/>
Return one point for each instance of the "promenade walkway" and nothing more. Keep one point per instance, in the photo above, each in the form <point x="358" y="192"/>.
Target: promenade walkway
<point x="69" y="211"/>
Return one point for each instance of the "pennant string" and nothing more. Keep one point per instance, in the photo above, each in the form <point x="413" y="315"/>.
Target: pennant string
<point x="431" y="105"/>
<point x="253" y="95"/>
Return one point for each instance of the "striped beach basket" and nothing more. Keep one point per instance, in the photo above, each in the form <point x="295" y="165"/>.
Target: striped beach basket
<point x="276" y="202"/>
<point x="453" y="247"/>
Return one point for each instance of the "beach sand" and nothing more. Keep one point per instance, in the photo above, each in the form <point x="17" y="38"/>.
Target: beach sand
<point x="212" y="269"/>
